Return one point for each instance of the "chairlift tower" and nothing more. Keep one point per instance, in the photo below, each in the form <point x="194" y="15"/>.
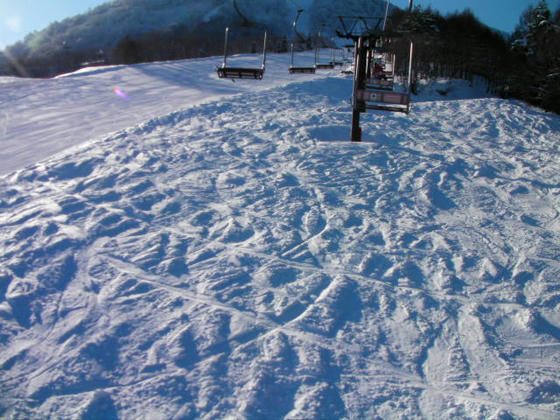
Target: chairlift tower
<point x="366" y="32"/>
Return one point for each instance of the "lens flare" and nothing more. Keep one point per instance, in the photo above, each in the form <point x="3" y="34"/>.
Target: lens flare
<point x="120" y="93"/>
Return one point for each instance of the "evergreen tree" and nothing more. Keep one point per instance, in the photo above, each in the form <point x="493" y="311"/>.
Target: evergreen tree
<point x="535" y="43"/>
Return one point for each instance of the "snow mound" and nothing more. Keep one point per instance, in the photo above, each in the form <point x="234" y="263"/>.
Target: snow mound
<point x="241" y="258"/>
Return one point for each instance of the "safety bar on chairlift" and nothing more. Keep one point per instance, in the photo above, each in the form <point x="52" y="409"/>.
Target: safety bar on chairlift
<point x="264" y="51"/>
<point x="410" y="66"/>
<point x="292" y="54"/>
<point x="226" y="47"/>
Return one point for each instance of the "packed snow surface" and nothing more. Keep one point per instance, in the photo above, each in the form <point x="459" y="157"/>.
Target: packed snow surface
<point x="177" y="246"/>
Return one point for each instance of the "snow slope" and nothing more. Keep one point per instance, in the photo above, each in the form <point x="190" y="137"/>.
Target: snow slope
<point x="237" y="257"/>
<point x="83" y="105"/>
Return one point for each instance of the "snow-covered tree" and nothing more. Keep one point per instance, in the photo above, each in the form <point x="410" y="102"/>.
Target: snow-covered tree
<point x="535" y="25"/>
<point x="536" y="41"/>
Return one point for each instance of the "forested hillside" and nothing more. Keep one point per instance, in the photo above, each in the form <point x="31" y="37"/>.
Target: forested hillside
<point x="525" y="65"/>
<point x="535" y="75"/>
<point x="132" y="31"/>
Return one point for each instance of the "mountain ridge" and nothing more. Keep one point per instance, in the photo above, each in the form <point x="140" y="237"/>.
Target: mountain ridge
<point x="105" y="25"/>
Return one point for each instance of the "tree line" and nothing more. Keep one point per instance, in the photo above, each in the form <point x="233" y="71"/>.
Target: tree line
<point x="525" y="65"/>
<point x="173" y="43"/>
<point x="182" y="42"/>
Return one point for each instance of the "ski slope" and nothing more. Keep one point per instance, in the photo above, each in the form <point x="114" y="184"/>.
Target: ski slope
<point x="197" y="248"/>
<point x="80" y="106"/>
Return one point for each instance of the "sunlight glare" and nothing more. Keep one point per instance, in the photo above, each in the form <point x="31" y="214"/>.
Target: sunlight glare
<point x="120" y="93"/>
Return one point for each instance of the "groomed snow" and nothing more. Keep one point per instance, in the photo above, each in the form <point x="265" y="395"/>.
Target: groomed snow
<point x="39" y="117"/>
<point x="209" y="249"/>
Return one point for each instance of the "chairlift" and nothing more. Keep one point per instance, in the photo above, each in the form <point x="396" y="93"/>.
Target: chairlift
<point x="366" y="95"/>
<point x="336" y="63"/>
<point x="348" y="59"/>
<point x="228" y="72"/>
<point x="371" y="97"/>
<point x="300" y="69"/>
<point x="324" y="65"/>
<point x="348" y="54"/>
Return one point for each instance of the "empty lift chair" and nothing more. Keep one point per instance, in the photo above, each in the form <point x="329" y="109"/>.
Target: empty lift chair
<point x="228" y="72"/>
<point x="339" y="62"/>
<point x="325" y="65"/>
<point x="300" y="69"/>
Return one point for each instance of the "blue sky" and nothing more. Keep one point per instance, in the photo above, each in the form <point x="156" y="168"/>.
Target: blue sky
<point x="19" y="17"/>
<point x="499" y="14"/>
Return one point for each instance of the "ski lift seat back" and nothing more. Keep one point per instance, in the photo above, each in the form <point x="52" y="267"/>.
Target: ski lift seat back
<point x="381" y="84"/>
<point x="307" y="70"/>
<point x="324" y="66"/>
<point x="240" y="73"/>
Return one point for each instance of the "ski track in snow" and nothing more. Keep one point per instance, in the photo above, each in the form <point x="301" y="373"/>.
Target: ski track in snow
<point x="241" y="258"/>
